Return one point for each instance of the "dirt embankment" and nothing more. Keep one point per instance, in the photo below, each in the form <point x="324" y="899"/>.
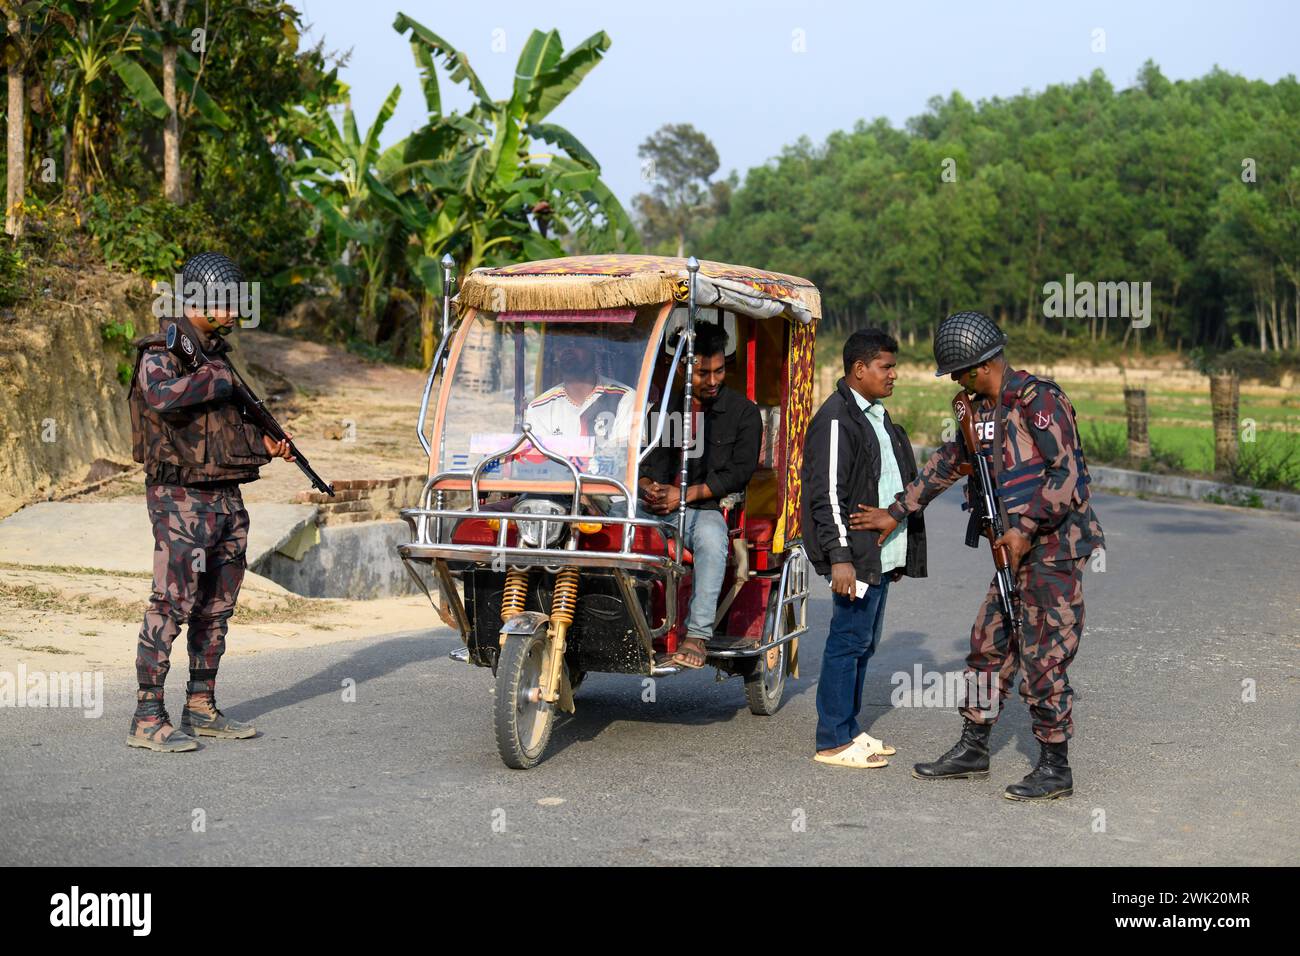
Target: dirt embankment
<point x="62" y="408"/>
<point x="65" y="426"/>
<point x="354" y="418"/>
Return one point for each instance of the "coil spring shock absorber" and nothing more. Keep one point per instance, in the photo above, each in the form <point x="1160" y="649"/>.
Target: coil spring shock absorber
<point x="563" y="605"/>
<point x="515" y="595"/>
<point x="566" y="596"/>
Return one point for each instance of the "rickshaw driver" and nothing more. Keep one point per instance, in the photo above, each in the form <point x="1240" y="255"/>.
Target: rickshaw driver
<point x="584" y="403"/>
<point x="730" y="430"/>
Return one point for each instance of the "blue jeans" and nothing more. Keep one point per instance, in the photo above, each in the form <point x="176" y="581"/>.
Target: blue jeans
<point x="856" y="624"/>
<point x="706" y="536"/>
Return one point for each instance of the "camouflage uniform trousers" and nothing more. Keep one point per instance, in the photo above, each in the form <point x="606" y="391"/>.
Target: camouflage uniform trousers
<point x="1052" y="623"/>
<point x="198" y="568"/>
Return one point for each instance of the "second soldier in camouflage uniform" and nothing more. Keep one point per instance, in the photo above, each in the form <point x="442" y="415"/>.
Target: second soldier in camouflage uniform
<point x="197" y="450"/>
<point x="1028" y="427"/>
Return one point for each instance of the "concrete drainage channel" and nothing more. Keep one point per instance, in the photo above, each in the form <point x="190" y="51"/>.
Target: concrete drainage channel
<point x="356" y="561"/>
<point x="340" y="554"/>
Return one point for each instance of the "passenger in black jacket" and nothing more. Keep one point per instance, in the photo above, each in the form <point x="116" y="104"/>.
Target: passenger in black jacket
<point x="729" y="432"/>
<point x="854" y="455"/>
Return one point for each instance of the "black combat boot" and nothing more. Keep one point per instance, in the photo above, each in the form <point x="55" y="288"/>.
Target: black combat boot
<point x="1047" y="781"/>
<point x="970" y="758"/>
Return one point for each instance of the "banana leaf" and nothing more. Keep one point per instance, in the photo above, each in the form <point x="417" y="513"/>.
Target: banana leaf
<point x="551" y="87"/>
<point x="561" y="137"/>
<point x="457" y="63"/>
<point x="385" y="111"/>
<point x="140" y="86"/>
<point x="540" y="54"/>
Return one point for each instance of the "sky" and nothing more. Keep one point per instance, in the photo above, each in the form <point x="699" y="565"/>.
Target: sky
<point x="756" y="76"/>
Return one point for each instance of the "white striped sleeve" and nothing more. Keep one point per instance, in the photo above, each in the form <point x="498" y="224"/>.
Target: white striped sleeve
<point x="833" y="484"/>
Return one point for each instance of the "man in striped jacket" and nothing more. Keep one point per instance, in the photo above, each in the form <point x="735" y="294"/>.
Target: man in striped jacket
<point x="855" y="455"/>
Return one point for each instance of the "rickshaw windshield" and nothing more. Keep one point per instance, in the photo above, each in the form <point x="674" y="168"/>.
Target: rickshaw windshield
<point x="572" y="376"/>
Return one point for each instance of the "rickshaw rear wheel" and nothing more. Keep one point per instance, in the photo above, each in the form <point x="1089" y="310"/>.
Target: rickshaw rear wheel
<point x="765" y="683"/>
<point x="522" y="720"/>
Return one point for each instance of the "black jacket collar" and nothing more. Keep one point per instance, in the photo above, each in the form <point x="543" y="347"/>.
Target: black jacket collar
<point x="847" y="395"/>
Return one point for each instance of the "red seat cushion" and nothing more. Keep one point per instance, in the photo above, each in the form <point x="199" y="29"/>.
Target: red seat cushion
<point x="645" y="540"/>
<point x="759" y="532"/>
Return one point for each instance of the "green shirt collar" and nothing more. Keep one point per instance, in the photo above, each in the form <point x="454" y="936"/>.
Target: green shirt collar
<point x="875" y="409"/>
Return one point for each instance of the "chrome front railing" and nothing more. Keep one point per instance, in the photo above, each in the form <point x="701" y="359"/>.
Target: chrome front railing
<point x="426" y="544"/>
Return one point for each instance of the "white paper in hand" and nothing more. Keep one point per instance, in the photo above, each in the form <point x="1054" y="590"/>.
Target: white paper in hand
<point x="861" y="588"/>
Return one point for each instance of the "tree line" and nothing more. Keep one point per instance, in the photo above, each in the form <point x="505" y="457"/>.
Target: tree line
<point x="1191" y="186"/>
<point x="159" y="127"/>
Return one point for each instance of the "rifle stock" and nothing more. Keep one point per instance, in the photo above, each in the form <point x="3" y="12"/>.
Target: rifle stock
<point x="192" y="357"/>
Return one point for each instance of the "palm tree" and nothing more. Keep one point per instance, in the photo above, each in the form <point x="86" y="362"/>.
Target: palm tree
<point x="15" y="53"/>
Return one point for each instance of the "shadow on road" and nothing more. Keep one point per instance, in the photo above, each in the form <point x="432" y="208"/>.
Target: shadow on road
<point x="612" y="698"/>
<point x="894" y="670"/>
<point x="377" y="658"/>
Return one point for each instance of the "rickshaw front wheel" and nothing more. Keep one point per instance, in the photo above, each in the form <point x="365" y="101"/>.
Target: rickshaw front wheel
<point x="765" y="683"/>
<point x="522" y="719"/>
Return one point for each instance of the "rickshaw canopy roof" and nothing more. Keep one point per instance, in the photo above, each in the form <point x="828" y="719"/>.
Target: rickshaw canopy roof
<point x="620" y="280"/>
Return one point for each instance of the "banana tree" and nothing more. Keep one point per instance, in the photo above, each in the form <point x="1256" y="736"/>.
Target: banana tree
<point x="109" y="38"/>
<point x="339" y="178"/>
<point x="473" y="185"/>
<point x="102" y="43"/>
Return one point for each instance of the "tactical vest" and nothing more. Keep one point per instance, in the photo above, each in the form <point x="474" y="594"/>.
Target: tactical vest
<point x="195" y="445"/>
<point x="1020" y="477"/>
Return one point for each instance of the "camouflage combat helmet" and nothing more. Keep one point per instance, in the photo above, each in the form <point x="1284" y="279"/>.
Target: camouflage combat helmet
<point x="966" y="339"/>
<point x="218" y="275"/>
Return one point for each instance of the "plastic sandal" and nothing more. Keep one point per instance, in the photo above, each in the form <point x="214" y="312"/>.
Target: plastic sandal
<point x="874" y="745"/>
<point x="855" y="756"/>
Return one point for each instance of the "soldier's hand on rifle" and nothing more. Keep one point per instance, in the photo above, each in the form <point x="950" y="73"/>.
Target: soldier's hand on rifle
<point x="278" y="449"/>
<point x="1017" y="545"/>
<point x="844" y="580"/>
<point x="867" y="518"/>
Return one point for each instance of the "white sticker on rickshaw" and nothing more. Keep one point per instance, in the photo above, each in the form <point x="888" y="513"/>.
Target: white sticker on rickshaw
<point x="570" y="446"/>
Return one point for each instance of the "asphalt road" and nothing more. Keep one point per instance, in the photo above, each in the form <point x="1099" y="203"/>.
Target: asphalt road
<point x="1171" y="765"/>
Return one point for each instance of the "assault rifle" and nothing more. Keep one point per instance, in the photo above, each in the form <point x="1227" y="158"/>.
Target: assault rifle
<point x="193" y="357"/>
<point x="990" y="516"/>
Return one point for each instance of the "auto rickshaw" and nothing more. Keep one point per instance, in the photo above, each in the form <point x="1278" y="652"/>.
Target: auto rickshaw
<point x="533" y="514"/>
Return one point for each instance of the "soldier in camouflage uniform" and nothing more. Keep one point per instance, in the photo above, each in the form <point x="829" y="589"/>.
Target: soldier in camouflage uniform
<point x="1028" y="426"/>
<point x="197" y="450"/>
